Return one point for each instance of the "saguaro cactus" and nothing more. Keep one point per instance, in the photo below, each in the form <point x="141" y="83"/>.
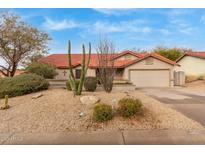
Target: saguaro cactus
<point x="77" y="89"/>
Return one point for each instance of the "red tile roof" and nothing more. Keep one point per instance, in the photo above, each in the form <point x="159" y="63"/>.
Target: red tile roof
<point x="160" y="57"/>
<point x="128" y="52"/>
<point x="193" y="54"/>
<point x="61" y="60"/>
<point x="155" y="55"/>
<point x="196" y="54"/>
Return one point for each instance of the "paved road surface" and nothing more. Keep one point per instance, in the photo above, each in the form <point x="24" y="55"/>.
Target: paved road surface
<point x="189" y="102"/>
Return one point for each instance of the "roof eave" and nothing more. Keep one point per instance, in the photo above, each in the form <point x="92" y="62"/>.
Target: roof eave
<point x="128" y="52"/>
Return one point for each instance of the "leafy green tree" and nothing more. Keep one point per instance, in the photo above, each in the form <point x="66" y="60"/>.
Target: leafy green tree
<point x="18" y="42"/>
<point x="47" y="71"/>
<point x="170" y="53"/>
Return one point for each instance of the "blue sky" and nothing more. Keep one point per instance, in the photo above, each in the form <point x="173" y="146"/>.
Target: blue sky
<point x="127" y="28"/>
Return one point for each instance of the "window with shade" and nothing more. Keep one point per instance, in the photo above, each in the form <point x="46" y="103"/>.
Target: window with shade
<point x="77" y="73"/>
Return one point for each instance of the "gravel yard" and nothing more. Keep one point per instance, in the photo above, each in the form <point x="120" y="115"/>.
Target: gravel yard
<point x="196" y="85"/>
<point x="57" y="110"/>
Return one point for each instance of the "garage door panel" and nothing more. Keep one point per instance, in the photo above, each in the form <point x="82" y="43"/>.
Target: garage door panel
<point x="150" y="78"/>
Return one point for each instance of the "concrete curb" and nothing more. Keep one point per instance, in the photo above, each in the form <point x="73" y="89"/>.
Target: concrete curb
<point x="74" y="138"/>
<point x="129" y="137"/>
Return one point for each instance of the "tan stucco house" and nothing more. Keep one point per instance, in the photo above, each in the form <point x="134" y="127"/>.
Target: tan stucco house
<point x="192" y="63"/>
<point x="141" y="69"/>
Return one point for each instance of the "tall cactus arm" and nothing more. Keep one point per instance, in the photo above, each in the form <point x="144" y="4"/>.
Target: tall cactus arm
<point x="71" y="74"/>
<point x="88" y="62"/>
<point x="82" y="76"/>
<point x="84" y="69"/>
<point x="70" y="60"/>
<point x="83" y="60"/>
<point x="72" y="83"/>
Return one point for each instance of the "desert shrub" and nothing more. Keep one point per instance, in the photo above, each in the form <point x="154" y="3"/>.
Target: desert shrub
<point x="68" y="84"/>
<point x="6" y="105"/>
<point x="201" y="77"/>
<point x="102" y="112"/>
<point x="129" y="106"/>
<point x="22" y="84"/>
<point x="90" y="83"/>
<point x="191" y="78"/>
<point x="47" y="71"/>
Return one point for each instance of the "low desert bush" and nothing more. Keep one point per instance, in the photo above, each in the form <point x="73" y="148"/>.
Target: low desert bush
<point x="22" y="84"/>
<point x="102" y="112"/>
<point x="129" y="106"/>
<point x="47" y="71"/>
<point x="90" y="83"/>
<point x="6" y="105"/>
<point x="201" y="77"/>
<point x="68" y="86"/>
<point x="191" y="78"/>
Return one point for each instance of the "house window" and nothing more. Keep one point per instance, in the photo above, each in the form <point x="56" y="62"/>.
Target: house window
<point x="77" y="73"/>
<point x="149" y="61"/>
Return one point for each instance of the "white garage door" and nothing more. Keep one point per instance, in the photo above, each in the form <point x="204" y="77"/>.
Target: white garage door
<point x="150" y="78"/>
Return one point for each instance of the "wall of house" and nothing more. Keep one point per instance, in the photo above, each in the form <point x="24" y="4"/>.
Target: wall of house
<point x="63" y="73"/>
<point x="157" y="65"/>
<point x="191" y="66"/>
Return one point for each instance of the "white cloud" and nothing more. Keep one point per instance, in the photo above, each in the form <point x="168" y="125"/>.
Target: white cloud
<point x="202" y="19"/>
<point x="165" y="31"/>
<point x="182" y="26"/>
<point x="106" y="27"/>
<point x="146" y="30"/>
<point x="177" y="12"/>
<point x="116" y="12"/>
<point x="99" y="27"/>
<point x="187" y="30"/>
<point x="123" y="26"/>
<point x="59" y="25"/>
<point x="179" y="23"/>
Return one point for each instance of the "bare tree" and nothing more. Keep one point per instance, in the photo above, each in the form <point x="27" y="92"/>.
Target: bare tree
<point x="106" y="53"/>
<point x="18" y="41"/>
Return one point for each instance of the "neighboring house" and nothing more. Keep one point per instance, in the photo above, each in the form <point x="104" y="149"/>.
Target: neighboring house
<point x="192" y="63"/>
<point x="18" y="72"/>
<point x="142" y="69"/>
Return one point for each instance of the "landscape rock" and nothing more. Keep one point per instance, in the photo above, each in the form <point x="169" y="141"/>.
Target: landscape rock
<point x="37" y="96"/>
<point x="114" y="101"/>
<point x="127" y="93"/>
<point x="82" y="114"/>
<point x="89" y="99"/>
<point x="114" y="104"/>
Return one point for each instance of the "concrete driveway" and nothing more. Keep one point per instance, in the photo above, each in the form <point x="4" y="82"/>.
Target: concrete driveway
<point x="190" y="102"/>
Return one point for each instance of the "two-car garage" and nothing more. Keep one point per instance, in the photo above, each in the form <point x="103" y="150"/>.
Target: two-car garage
<point x="150" y="72"/>
<point x="150" y="78"/>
